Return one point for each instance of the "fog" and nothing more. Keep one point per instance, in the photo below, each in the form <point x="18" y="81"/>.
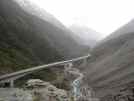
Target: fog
<point x="104" y="16"/>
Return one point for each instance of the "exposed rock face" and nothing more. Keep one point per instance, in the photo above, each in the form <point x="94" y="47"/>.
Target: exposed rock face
<point x="44" y="91"/>
<point x="36" y="90"/>
<point x="15" y="94"/>
<point x="36" y="82"/>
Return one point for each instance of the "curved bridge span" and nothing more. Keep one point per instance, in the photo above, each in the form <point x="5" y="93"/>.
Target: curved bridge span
<point x="10" y="78"/>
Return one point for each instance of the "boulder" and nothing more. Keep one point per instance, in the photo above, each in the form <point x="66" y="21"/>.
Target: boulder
<point x="44" y="91"/>
<point x="36" y="83"/>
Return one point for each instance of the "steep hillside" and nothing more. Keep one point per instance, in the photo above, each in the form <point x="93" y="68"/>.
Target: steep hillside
<point x="128" y="28"/>
<point x="64" y="34"/>
<point x="85" y="35"/>
<point x="111" y="65"/>
<point x="34" y="9"/>
<point x="27" y="40"/>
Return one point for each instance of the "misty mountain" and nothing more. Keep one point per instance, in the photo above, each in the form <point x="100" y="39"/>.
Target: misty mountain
<point x="111" y="65"/>
<point x="85" y="35"/>
<point x="128" y="28"/>
<point x="39" y="12"/>
<point x="28" y="40"/>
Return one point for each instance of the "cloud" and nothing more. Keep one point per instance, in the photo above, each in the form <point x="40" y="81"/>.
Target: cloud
<point x="104" y="16"/>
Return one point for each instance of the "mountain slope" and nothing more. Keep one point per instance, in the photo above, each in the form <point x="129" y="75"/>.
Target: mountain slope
<point x="27" y="40"/>
<point x="85" y="35"/>
<point x="33" y="9"/>
<point x="128" y="28"/>
<point x="111" y="65"/>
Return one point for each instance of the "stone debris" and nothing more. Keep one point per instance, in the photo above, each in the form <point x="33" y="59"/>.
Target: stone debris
<point x="1" y="99"/>
<point x="36" y="83"/>
<point x="47" y="91"/>
<point x="14" y="94"/>
<point x="35" y="90"/>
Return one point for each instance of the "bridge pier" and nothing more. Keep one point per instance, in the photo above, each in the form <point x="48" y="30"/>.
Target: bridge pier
<point x="6" y="84"/>
<point x="8" y="79"/>
<point x="12" y="84"/>
<point x="84" y="63"/>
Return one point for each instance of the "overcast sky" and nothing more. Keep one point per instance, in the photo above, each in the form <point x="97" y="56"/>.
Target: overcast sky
<point x="104" y="16"/>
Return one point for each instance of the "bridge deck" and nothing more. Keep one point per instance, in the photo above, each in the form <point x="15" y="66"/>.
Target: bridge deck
<point x="12" y="76"/>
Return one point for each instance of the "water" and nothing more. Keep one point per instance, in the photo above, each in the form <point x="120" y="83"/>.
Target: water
<point x="77" y="83"/>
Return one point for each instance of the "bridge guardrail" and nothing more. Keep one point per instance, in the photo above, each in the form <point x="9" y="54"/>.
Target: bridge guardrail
<point x="37" y="68"/>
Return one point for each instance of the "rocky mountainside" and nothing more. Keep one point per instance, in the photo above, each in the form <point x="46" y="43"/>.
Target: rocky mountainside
<point x="36" y="90"/>
<point x="111" y="65"/>
<point x="85" y="35"/>
<point x="128" y="28"/>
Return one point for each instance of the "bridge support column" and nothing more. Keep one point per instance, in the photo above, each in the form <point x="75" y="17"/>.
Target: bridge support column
<point x="67" y="67"/>
<point x="12" y="83"/>
<point x="84" y="62"/>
